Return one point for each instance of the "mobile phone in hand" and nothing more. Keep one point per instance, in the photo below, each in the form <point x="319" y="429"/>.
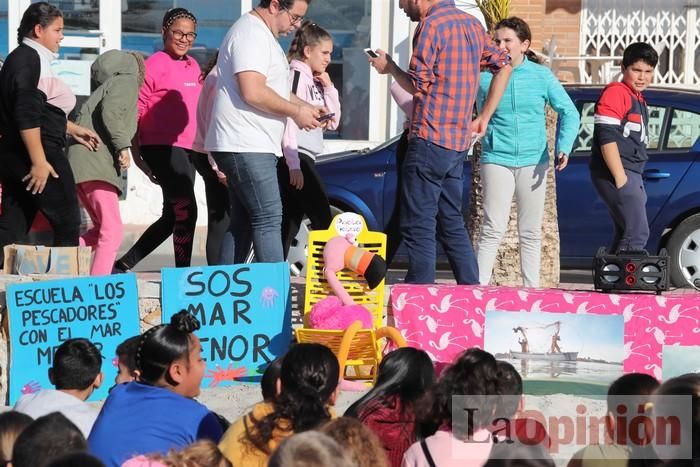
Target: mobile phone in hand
<point x="475" y="139"/>
<point x="371" y="53"/>
<point x="325" y="117"/>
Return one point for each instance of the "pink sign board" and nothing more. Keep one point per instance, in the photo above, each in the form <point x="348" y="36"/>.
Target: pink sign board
<point x="444" y="320"/>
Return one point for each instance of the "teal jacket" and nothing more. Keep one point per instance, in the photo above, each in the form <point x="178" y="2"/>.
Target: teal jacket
<point x="516" y="135"/>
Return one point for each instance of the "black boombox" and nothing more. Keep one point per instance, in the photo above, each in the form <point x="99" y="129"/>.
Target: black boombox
<point x="630" y="270"/>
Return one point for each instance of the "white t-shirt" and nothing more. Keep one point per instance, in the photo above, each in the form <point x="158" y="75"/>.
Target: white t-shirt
<point x="236" y="126"/>
<point x="47" y="401"/>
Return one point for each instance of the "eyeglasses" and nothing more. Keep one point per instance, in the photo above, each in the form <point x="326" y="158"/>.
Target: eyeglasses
<point x="179" y="35"/>
<point x="295" y="19"/>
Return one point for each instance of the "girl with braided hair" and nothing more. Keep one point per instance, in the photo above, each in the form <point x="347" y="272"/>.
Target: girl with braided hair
<point x="157" y="412"/>
<point x="301" y="187"/>
<point x="167" y="108"/>
<point x="307" y="389"/>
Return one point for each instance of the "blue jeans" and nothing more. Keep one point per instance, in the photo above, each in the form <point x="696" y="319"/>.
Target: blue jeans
<point x="431" y="196"/>
<point x="256" y="208"/>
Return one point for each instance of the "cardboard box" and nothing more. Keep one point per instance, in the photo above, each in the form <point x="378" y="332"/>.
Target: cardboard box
<point x="37" y="259"/>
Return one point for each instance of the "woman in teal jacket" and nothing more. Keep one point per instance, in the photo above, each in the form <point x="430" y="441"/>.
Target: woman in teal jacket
<point x="514" y="158"/>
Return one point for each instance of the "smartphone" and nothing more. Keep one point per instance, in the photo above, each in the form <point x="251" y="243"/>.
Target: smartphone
<point x="326" y="117"/>
<point x="475" y="139"/>
<point x="371" y="53"/>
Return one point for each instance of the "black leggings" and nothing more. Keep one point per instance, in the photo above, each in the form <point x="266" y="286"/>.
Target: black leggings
<point x="311" y="200"/>
<point x="174" y="168"/>
<point x="218" y="212"/>
<point x="58" y="202"/>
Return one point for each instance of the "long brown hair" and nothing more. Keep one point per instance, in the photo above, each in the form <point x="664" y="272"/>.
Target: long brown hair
<point x="309" y="34"/>
<point x="203" y="453"/>
<point x="522" y="30"/>
<point x="358" y="441"/>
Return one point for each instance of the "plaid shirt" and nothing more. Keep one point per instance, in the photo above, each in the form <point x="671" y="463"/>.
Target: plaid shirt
<point x="449" y="49"/>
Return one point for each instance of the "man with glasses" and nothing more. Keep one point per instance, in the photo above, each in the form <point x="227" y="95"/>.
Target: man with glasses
<point x="251" y="105"/>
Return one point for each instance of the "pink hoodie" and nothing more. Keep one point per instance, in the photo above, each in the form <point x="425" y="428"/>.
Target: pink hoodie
<point x="168" y="101"/>
<point x="313" y="92"/>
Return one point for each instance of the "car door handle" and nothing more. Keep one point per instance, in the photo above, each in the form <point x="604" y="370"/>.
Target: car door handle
<point x="655" y="175"/>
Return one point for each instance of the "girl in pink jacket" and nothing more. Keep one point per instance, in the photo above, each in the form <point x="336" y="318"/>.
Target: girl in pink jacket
<point x="301" y="187"/>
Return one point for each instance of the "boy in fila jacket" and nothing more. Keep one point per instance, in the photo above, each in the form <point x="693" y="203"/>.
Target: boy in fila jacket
<point x="619" y="153"/>
<point x="301" y="187"/>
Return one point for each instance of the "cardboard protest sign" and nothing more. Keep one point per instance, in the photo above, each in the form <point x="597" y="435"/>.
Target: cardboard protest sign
<point x="37" y="259"/>
<point x="45" y="314"/>
<point x="245" y="312"/>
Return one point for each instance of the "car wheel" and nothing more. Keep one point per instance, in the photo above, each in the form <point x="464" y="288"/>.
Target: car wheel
<point x="299" y="249"/>
<point x="684" y="252"/>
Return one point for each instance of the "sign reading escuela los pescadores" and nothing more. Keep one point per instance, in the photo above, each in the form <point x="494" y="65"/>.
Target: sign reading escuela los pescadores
<point x="45" y="314"/>
<point x="244" y="310"/>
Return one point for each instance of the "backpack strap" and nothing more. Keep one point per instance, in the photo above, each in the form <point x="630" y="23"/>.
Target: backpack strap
<point x="426" y="453"/>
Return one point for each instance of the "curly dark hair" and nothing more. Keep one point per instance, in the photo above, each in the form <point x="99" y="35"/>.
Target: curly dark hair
<point x="473" y="375"/>
<point x="309" y="377"/>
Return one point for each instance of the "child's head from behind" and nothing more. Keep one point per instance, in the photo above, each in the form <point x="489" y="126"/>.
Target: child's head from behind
<point x="358" y="441"/>
<point x="675" y="398"/>
<point x="169" y="356"/>
<point x="82" y="459"/>
<point x="510" y="389"/>
<point x="203" y="453"/>
<point x="307" y="385"/>
<point x="126" y="360"/>
<point x="12" y="424"/>
<point x="406" y="373"/>
<point x="309" y="449"/>
<point x="473" y="375"/>
<point x="309" y="373"/>
<point x="309" y="379"/>
<point x="625" y="396"/>
<point x="313" y="45"/>
<point x="638" y="63"/>
<point x="76" y="366"/>
<point x="46" y="439"/>
<point x="268" y="382"/>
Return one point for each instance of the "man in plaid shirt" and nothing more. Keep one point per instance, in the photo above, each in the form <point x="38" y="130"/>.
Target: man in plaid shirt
<point x="449" y="49"/>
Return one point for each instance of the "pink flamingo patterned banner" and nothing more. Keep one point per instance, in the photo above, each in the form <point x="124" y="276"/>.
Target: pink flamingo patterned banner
<point x="444" y="320"/>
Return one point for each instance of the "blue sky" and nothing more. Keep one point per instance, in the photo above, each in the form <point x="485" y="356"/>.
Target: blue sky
<point x="678" y="360"/>
<point x="593" y="336"/>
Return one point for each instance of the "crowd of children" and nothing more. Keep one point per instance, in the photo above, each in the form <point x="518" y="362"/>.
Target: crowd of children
<point x="410" y="418"/>
<point x="159" y="113"/>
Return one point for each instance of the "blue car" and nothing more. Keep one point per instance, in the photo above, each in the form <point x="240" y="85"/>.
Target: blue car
<point x="365" y="182"/>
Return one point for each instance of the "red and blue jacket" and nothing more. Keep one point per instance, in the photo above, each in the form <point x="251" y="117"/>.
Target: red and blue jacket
<point x="621" y="117"/>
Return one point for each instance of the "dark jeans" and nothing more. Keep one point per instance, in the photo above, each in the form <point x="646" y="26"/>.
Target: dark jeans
<point x="58" y="202"/>
<point x="393" y="227"/>
<point x="627" y="208"/>
<point x="432" y="206"/>
<point x="219" y="250"/>
<point x="175" y="173"/>
<point x="311" y="200"/>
